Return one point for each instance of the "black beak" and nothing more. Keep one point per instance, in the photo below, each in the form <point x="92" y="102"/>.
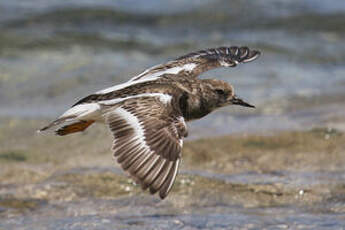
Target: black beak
<point x="238" y="101"/>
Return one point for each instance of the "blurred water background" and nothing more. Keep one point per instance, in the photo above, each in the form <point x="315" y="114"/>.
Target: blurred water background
<point x="54" y="52"/>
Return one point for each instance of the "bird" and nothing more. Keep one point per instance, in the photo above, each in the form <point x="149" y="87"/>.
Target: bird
<point x="147" y="115"/>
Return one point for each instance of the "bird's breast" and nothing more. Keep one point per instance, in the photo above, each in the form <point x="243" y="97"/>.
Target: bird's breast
<point x="193" y="107"/>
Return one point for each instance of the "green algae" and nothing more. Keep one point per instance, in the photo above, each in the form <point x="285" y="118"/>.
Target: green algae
<point x="20" y="205"/>
<point x="12" y="156"/>
<point x="99" y="185"/>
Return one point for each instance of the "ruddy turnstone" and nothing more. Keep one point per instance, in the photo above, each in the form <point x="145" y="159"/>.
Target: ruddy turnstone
<point x="147" y="114"/>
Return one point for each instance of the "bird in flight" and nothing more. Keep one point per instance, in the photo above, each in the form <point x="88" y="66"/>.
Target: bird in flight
<point x="147" y="115"/>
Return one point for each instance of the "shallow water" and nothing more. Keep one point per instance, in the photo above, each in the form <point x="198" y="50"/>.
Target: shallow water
<point x="232" y="218"/>
<point x="205" y="211"/>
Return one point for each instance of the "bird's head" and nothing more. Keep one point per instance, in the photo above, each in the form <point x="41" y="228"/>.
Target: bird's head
<point x="220" y="93"/>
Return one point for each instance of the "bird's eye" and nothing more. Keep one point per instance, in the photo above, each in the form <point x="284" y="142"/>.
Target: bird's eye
<point x="220" y="91"/>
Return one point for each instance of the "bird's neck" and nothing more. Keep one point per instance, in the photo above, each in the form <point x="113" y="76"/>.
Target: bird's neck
<point x="193" y="107"/>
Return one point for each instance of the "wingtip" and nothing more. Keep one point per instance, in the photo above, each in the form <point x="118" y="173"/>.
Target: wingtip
<point x="162" y="196"/>
<point x="237" y="54"/>
<point x="258" y="53"/>
<point x="253" y="55"/>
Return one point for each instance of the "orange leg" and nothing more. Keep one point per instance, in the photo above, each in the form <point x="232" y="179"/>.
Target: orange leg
<point x="73" y="128"/>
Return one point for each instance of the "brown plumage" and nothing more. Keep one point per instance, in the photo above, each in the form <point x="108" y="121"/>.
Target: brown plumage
<point x="147" y="114"/>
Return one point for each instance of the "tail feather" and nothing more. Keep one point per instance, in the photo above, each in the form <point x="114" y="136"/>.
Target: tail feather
<point x="83" y="115"/>
<point x="55" y="123"/>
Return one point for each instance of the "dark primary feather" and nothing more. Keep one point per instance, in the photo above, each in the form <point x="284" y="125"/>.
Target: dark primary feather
<point x="231" y="54"/>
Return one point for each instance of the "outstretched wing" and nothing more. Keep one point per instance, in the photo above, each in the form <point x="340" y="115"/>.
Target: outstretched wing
<point x="148" y="141"/>
<point x="201" y="61"/>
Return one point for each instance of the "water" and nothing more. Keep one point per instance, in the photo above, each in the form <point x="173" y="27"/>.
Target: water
<point x="213" y="211"/>
<point x="53" y="53"/>
<point x="272" y="219"/>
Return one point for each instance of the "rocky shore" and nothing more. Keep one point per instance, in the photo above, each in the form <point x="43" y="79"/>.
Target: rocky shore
<point x="49" y="182"/>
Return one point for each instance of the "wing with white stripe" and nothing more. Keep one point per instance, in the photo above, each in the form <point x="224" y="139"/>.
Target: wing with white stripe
<point x="201" y="61"/>
<point x="148" y="142"/>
